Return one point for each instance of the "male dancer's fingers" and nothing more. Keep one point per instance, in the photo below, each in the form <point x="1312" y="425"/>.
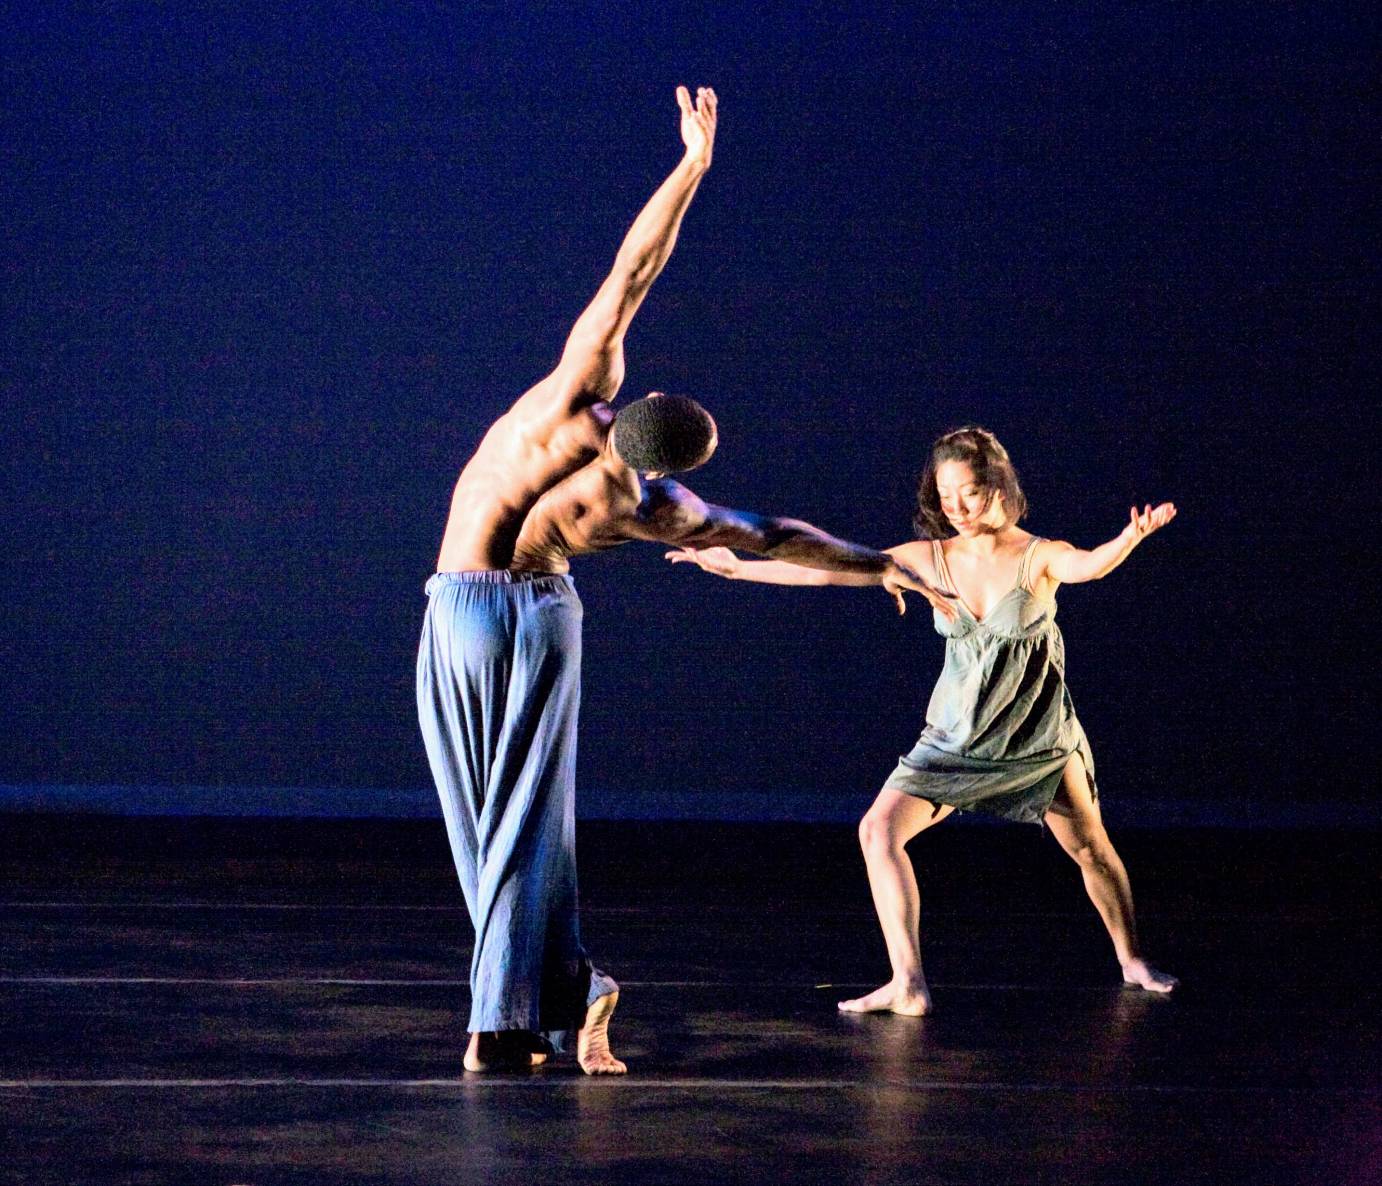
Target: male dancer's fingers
<point x="941" y="601"/>
<point x="945" y="608"/>
<point x="684" y="100"/>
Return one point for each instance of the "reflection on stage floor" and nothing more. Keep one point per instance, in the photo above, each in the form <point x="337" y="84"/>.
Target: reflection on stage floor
<point x="285" y="1001"/>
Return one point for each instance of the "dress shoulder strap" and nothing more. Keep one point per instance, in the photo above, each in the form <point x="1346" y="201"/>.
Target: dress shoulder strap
<point x="1024" y="570"/>
<point x="938" y="562"/>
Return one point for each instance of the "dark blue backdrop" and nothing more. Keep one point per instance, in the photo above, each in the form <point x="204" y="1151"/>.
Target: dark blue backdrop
<point x="268" y="276"/>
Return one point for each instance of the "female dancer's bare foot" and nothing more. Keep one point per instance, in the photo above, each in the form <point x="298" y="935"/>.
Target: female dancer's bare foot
<point x="1143" y="975"/>
<point x="592" y="1039"/>
<point x="508" y="1050"/>
<point x="909" y="998"/>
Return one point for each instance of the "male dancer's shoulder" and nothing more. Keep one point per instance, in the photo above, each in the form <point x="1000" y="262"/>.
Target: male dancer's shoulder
<point x="663" y="498"/>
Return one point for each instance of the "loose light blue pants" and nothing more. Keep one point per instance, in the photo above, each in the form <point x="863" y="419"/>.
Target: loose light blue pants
<point x="498" y="692"/>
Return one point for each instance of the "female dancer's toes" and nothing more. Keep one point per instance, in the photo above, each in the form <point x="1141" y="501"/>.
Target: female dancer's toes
<point x="910" y="1000"/>
<point x="1144" y="976"/>
<point x="592" y="1040"/>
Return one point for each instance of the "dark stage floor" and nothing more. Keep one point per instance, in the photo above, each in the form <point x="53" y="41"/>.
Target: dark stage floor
<point x="265" y="1002"/>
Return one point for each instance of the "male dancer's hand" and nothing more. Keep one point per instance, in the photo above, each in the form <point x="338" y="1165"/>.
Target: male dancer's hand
<point x="900" y="577"/>
<point x="698" y="124"/>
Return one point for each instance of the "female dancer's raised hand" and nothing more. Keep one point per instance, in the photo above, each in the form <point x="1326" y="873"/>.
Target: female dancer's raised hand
<point x="1142" y="523"/>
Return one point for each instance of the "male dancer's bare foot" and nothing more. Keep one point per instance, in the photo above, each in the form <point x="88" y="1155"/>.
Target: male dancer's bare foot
<point x="508" y="1050"/>
<point x="592" y="1039"/>
<point x="909" y="998"/>
<point x="1140" y="973"/>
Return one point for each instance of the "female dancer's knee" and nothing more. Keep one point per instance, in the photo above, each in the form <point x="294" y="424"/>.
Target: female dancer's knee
<point x="883" y="834"/>
<point x="1092" y="850"/>
<point x="877" y="836"/>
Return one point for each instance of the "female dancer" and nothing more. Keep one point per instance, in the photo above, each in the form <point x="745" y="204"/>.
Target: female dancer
<point x="1001" y="733"/>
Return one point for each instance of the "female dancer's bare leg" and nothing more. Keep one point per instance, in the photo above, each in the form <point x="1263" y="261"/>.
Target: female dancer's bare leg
<point x="1076" y="823"/>
<point x="887" y="826"/>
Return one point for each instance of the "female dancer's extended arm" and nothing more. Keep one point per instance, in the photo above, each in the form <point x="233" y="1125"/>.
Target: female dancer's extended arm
<point x="724" y="563"/>
<point x="1067" y="564"/>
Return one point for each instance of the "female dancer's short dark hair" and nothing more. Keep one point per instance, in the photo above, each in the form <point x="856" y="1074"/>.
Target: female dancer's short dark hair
<point x="993" y="471"/>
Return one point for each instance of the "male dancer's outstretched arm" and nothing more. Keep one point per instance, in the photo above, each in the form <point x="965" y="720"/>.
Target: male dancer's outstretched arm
<point x="672" y="514"/>
<point x="1064" y="563"/>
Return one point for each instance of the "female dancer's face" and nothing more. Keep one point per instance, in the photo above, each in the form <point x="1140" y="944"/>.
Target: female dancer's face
<point x="963" y="500"/>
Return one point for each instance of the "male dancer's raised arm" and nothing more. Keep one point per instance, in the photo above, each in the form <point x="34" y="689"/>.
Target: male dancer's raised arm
<point x="592" y="364"/>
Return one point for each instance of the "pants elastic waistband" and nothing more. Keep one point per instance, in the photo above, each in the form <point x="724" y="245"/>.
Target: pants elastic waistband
<point x="496" y="576"/>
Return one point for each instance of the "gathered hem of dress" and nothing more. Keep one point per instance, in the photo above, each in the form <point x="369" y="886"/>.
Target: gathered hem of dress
<point x="1034" y="813"/>
<point x="1017" y="789"/>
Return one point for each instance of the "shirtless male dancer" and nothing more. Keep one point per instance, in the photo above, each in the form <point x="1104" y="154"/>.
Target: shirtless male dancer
<point x="498" y="677"/>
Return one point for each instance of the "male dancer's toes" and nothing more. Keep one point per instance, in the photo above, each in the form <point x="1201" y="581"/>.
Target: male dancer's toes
<point x="592" y="1041"/>
<point x="511" y="1050"/>
<point x="1140" y="973"/>
<point x="910" y="999"/>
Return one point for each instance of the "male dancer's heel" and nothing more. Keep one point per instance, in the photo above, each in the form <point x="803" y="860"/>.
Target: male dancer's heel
<point x="592" y="1042"/>
<point x="508" y="1050"/>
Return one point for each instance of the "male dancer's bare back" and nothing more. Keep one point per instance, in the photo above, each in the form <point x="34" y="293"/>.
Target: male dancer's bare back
<point x="547" y="483"/>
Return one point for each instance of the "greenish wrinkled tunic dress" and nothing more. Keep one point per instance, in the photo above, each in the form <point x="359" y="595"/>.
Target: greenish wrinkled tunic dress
<point x="1000" y="726"/>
